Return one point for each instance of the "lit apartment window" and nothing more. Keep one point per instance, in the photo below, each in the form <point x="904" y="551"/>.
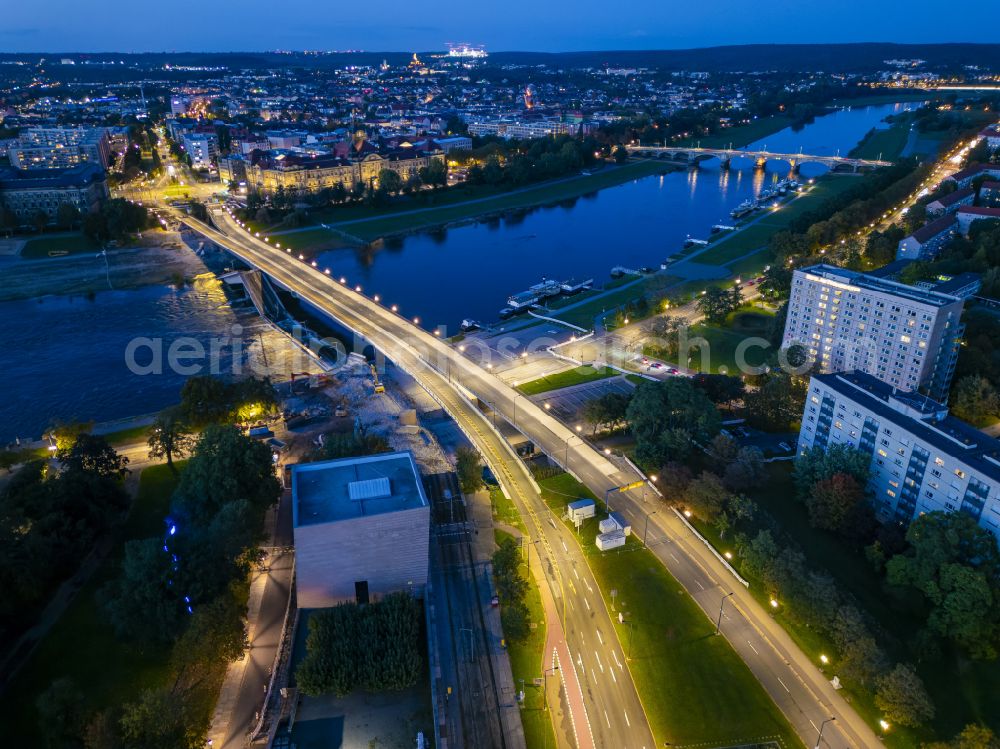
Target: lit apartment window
<point x="960" y="473"/>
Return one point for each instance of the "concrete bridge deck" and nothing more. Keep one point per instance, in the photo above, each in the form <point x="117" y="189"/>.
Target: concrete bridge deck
<point x="691" y="156"/>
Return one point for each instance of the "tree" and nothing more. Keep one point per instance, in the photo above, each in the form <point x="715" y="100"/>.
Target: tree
<point x="169" y="437"/>
<point x="833" y="501"/>
<point x="973" y="736"/>
<point x="434" y="174"/>
<point x="716" y="303"/>
<point x="975" y="399"/>
<point x="720" y="389"/>
<point x="94" y="455"/>
<point x="159" y="719"/>
<point x="511" y="589"/>
<point x="666" y="417"/>
<point x="141" y="602"/>
<point x="225" y="465"/>
<point x="216" y="634"/>
<point x="60" y="713"/>
<point x="776" y="282"/>
<point x="774" y="403"/>
<point x="65" y="434"/>
<point x="817" y="464"/>
<point x="620" y="154"/>
<point x="389" y="181"/>
<point x="470" y="476"/>
<point x="205" y="400"/>
<point x="901" y="696"/>
<point x="955" y="564"/>
<point x="607" y="410"/>
<point x="67" y="215"/>
<point x="745" y="470"/>
<point x="707" y="496"/>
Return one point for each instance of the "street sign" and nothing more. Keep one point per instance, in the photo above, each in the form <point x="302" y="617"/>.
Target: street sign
<point x="633" y="485"/>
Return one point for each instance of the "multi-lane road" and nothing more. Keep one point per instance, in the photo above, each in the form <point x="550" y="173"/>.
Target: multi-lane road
<point x="614" y="715"/>
<point x="585" y="635"/>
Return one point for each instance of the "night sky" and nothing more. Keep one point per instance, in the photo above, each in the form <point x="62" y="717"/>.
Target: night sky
<point x="395" y="25"/>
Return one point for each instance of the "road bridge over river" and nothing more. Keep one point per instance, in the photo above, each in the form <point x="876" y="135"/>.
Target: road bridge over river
<point x="693" y="156"/>
<point x="605" y="705"/>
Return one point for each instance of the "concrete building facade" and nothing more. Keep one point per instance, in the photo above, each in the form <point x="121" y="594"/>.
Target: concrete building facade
<point x="922" y="459"/>
<point x="848" y="321"/>
<point x="927" y="241"/>
<point x="361" y="529"/>
<point x="27" y="193"/>
<point x="60" y="148"/>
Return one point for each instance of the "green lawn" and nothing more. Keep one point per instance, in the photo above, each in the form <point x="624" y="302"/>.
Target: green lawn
<point x="751" y="265"/>
<point x="886" y="144"/>
<point x="541" y="195"/>
<point x="575" y="376"/>
<point x="526" y="666"/>
<point x="737" y="244"/>
<point x="58" y="245"/>
<point x="963" y="691"/>
<point x="694" y="688"/>
<point x="82" y="644"/>
<point x="313" y="240"/>
<point x="723" y="341"/>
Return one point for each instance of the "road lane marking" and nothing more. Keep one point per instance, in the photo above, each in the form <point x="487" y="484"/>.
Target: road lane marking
<point x="586" y="602"/>
<point x="601" y="665"/>
<point x="700" y="584"/>
<point x="599" y="637"/>
<point x="627" y="721"/>
<point x="613" y="677"/>
<point x="587" y="583"/>
<point x="575" y="572"/>
<point x="752" y="647"/>
<point x="784" y="685"/>
<point x="607" y="718"/>
<point x="674" y="558"/>
<point x="565" y="547"/>
<point x="615" y="654"/>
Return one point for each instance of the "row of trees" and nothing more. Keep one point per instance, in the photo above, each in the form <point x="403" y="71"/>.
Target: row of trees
<point x="376" y="647"/>
<point x="512" y="587"/>
<point x="117" y="220"/>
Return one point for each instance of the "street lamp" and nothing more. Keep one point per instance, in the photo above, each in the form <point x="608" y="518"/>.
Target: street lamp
<point x="822" y="726"/>
<point x="718" y="623"/>
<point x="645" y="527"/>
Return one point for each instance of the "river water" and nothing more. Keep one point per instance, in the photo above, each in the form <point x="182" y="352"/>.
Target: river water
<point x="469" y="271"/>
<point x="63" y="358"/>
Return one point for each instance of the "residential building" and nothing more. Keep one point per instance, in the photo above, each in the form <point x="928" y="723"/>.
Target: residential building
<point x="989" y="194"/>
<point x="922" y="459"/>
<point x="523" y="129"/>
<point x="28" y="192"/>
<point x="202" y="147"/>
<point x="60" y="147"/>
<point x="968" y="215"/>
<point x="951" y="202"/>
<point x="848" y="321"/>
<point x="992" y="136"/>
<point x="928" y="240"/>
<point x="361" y="528"/>
<point x="453" y="142"/>
<point x="967" y="176"/>
<point x="232" y="169"/>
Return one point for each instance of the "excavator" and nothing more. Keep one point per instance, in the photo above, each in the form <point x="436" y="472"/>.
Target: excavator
<point x="379" y="387"/>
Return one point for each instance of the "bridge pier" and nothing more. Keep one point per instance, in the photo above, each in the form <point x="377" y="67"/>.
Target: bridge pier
<point x="794" y="167"/>
<point x="725" y="163"/>
<point x="760" y="163"/>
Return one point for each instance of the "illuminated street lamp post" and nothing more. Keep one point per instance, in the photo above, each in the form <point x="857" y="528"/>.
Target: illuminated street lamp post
<point x="718" y="623"/>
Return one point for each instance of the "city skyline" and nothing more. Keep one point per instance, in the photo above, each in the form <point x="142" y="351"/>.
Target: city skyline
<point x="521" y="27"/>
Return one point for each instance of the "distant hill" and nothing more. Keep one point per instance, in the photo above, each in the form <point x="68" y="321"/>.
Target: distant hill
<point x="843" y="58"/>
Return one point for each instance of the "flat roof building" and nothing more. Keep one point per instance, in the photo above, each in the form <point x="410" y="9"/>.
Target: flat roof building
<point x="361" y="528"/>
<point x="28" y="193"/>
<point x="922" y="459"/>
<point x="906" y="336"/>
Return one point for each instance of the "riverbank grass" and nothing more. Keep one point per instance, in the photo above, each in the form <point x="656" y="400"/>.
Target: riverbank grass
<point x="58" y="245"/>
<point x="694" y="689"/>
<point x="575" y="376"/>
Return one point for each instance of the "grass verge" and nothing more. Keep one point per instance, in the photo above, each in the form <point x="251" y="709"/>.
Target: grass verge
<point x="575" y="376"/>
<point x="63" y="244"/>
<point x="526" y="666"/>
<point x="694" y="688"/>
